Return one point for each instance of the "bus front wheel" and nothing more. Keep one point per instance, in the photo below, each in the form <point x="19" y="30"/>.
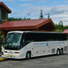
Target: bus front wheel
<point x="28" y="55"/>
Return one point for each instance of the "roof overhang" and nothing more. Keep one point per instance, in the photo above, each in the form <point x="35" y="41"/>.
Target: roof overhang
<point x="3" y="5"/>
<point x="12" y="25"/>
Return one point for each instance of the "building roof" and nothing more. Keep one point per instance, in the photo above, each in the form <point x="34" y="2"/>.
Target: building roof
<point x="65" y="31"/>
<point x="3" y="5"/>
<point x="26" y="24"/>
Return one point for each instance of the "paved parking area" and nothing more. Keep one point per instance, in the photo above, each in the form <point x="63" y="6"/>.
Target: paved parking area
<point x="52" y="61"/>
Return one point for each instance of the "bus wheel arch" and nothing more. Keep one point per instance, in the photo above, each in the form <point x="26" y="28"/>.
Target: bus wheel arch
<point x="28" y="54"/>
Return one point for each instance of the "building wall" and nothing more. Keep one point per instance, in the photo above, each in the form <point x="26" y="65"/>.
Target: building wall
<point x="3" y="15"/>
<point x="0" y="16"/>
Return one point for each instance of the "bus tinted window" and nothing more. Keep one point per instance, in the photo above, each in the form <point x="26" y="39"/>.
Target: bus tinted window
<point x="45" y="37"/>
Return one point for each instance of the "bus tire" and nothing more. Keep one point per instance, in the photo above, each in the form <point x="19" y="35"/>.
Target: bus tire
<point x="61" y="51"/>
<point x="58" y="52"/>
<point x="28" y="55"/>
<point x="2" y="53"/>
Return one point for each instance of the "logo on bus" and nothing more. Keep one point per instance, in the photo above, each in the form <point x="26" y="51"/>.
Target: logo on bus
<point x="47" y="43"/>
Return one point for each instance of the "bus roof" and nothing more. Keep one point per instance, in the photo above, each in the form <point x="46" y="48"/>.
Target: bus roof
<point x="34" y="32"/>
<point x="18" y="31"/>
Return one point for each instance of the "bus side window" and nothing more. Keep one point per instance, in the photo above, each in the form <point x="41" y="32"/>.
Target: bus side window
<point x="22" y="43"/>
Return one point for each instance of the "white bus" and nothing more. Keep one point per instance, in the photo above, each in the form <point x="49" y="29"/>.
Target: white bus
<point x="27" y="44"/>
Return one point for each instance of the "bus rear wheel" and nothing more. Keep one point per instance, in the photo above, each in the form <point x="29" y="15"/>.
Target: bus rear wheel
<point x="58" y="52"/>
<point x="61" y="51"/>
<point x="28" y="55"/>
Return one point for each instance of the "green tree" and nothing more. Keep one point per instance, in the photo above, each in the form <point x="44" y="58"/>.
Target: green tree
<point x="41" y="14"/>
<point x="14" y="19"/>
<point x="65" y="27"/>
<point x="24" y="18"/>
<point x="17" y="19"/>
<point x="28" y="18"/>
<point x="60" y="25"/>
<point x="48" y="15"/>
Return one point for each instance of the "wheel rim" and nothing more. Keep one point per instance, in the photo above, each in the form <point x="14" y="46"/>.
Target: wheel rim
<point x="61" y="51"/>
<point x="28" y="56"/>
<point x="58" y="52"/>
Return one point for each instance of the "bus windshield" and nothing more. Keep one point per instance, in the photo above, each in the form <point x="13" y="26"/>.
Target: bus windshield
<point x="13" y="41"/>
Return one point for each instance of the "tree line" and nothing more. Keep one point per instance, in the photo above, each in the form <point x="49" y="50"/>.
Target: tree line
<point x="15" y="19"/>
<point x="60" y="27"/>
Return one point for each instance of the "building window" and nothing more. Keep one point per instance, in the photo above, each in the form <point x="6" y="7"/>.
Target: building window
<point x="4" y="15"/>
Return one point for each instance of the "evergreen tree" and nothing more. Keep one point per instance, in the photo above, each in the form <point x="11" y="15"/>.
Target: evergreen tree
<point x="24" y="18"/>
<point x="28" y="18"/>
<point x="60" y="25"/>
<point x="16" y="19"/>
<point x="48" y="16"/>
<point x="41" y="15"/>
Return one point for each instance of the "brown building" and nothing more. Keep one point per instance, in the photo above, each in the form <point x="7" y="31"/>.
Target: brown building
<point x="23" y="25"/>
<point x="4" y="11"/>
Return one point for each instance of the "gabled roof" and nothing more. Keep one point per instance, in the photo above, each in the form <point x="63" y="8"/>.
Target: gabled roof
<point x="2" y="4"/>
<point x="26" y="24"/>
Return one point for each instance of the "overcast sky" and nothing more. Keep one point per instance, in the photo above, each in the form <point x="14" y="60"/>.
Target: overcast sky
<point x="58" y="9"/>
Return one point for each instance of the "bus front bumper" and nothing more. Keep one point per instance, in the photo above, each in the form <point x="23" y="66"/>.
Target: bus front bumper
<point x="13" y="56"/>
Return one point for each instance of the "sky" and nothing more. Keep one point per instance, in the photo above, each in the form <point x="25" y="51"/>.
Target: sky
<point x="57" y="9"/>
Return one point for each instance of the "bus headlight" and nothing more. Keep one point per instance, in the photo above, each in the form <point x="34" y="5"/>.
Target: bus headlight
<point x="17" y="52"/>
<point x="5" y="51"/>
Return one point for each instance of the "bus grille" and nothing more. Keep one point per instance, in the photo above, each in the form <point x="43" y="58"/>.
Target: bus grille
<point x="65" y="48"/>
<point x="53" y="50"/>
